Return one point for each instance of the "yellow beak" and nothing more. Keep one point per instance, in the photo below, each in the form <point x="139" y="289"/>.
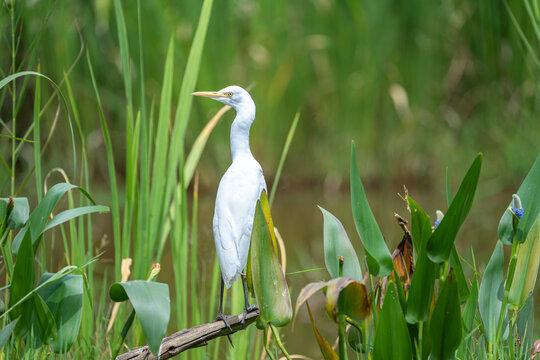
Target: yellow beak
<point x="209" y="94"/>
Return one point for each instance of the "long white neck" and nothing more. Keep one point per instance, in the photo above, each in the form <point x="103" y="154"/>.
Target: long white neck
<point x="240" y="130"/>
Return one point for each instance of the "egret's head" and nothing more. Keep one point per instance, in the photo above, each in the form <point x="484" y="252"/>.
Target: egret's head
<point x="233" y="96"/>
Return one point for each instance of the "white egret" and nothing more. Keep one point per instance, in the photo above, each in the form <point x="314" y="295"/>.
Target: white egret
<point x="237" y="195"/>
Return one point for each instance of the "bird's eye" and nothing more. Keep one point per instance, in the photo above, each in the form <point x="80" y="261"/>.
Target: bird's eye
<point x="229" y="94"/>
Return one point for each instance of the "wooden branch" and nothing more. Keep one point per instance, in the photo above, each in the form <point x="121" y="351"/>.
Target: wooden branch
<point x="197" y="336"/>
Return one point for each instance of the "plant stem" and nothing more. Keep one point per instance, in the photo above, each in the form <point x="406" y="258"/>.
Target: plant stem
<point x="268" y="352"/>
<point x="509" y="279"/>
<point x="342" y="323"/>
<point x="278" y="342"/>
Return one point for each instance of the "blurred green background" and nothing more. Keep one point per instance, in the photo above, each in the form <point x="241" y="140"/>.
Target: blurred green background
<point x="419" y="85"/>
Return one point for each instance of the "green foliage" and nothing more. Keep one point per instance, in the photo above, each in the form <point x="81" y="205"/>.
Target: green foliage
<point x="445" y="323"/>
<point x="441" y="242"/>
<point x="269" y="283"/>
<point x="491" y="293"/>
<point x="378" y="256"/>
<point x="336" y="244"/>
<point x="152" y="305"/>
<point x="392" y="336"/>
<point x="529" y="191"/>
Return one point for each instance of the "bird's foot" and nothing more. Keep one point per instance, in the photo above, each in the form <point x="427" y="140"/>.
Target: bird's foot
<point x="246" y="311"/>
<point x="221" y="317"/>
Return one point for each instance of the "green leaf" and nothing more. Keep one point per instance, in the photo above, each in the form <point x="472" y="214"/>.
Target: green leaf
<point x="525" y="323"/>
<point x="5" y="333"/>
<point x="73" y="213"/>
<point x="347" y="296"/>
<point x="455" y="263"/>
<point x="41" y="215"/>
<point x="423" y="278"/>
<point x="529" y="193"/>
<point x="378" y="256"/>
<point x="491" y="293"/>
<point x="327" y="351"/>
<point x="441" y="241"/>
<point x="392" y="339"/>
<point x="337" y="243"/>
<point x="46" y="325"/>
<point x="445" y="324"/>
<point x="306" y="293"/>
<point x="23" y="274"/>
<point x="151" y="303"/>
<point x="528" y="259"/>
<point x="269" y="284"/>
<point x="469" y="312"/>
<point x="64" y="299"/>
<point x="18" y="215"/>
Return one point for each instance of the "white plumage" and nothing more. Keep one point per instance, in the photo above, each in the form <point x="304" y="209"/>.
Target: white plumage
<point x="239" y="189"/>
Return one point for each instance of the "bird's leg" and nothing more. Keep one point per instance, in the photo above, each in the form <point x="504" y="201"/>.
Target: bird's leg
<point x="247" y="307"/>
<point x="220" y="315"/>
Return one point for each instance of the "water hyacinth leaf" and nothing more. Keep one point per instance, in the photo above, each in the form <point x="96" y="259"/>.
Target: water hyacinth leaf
<point x="378" y="256"/>
<point x="306" y="293"/>
<point x="18" y="215"/>
<point x="327" y="351"/>
<point x="491" y="293"/>
<point x="529" y="192"/>
<point x="46" y="325"/>
<point x="337" y="243"/>
<point x="392" y="339"/>
<point x="23" y="274"/>
<point x="528" y="259"/>
<point x="445" y="324"/>
<point x="423" y="279"/>
<point x="151" y="303"/>
<point x="269" y="284"/>
<point x="347" y="296"/>
<point x="64" y="298"/>
<point x="441" y="241"/>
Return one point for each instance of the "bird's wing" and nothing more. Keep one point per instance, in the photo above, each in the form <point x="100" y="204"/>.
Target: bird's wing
<point x="238" y="192"/>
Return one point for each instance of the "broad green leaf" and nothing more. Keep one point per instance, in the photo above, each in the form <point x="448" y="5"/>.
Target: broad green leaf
<point x="5" y="333"/>
<point x="73" y="213"/>
<point x="528" y="259"/>
<point x="18" y="215"/>
<point x="64" y="299"/>
<point x="392" y="339"/>
<point x="423" y="278"/>
<point x="41" y="215"/>
<point x="151" y="303"/>
<point x="327" y="351"/>
<point x="306" y="293"/>
<point x="347" y="296"/>
<point x="445" y="324"/>
<point x="378" y="256"/>
<point x="529" y="192"/>
<point x="337" y="243"/>
<point x="492" y="292"/>
<point x="23" y="274"/>
<point x="269" y="284"/>
<point x="441" y="241"/>
<point x="525" y="323"/>
<point x="46" y="325"/>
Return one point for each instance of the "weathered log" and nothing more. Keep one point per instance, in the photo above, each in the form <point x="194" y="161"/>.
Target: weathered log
<point x="197" y="336"/>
